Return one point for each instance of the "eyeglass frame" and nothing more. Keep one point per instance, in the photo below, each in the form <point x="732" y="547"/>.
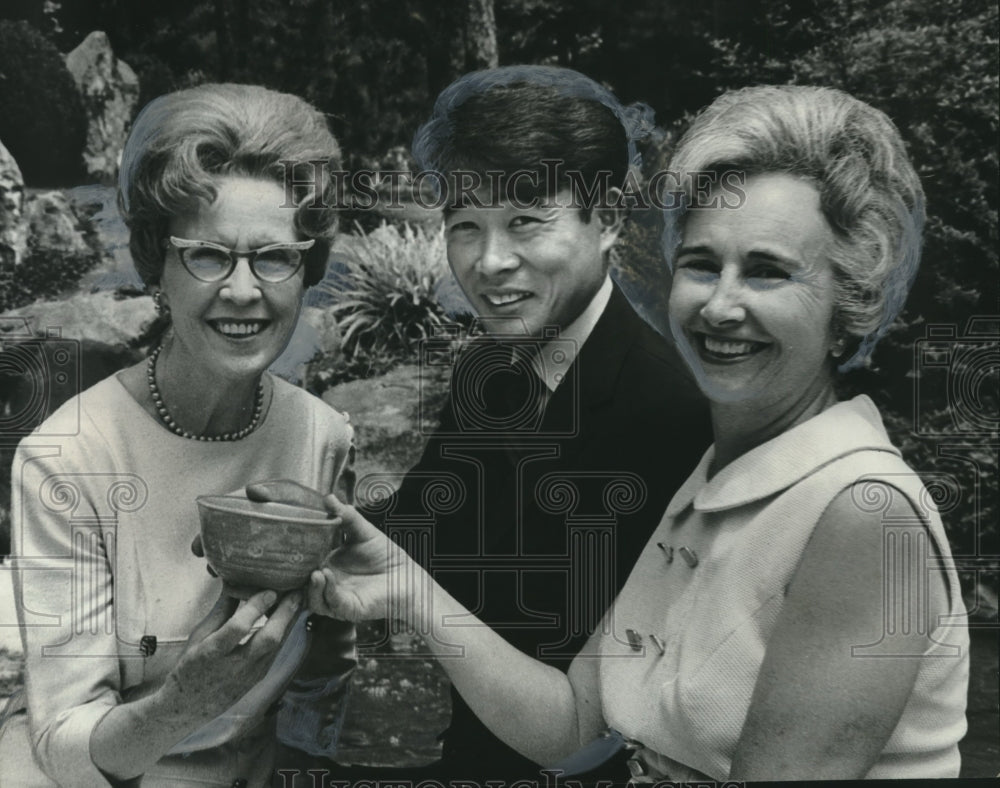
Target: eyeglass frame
<point x="235" y="256"/>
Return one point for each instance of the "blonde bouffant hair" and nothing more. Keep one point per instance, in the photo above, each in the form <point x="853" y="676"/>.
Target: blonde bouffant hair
<point x="869" y="192"/>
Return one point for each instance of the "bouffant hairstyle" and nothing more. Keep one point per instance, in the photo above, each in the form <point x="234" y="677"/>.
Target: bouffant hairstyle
<point x="869" y="192"/>
<point x="183" y="142"/>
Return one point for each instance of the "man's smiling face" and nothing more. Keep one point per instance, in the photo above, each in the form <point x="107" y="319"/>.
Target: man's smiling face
<point x="536" y="267"/>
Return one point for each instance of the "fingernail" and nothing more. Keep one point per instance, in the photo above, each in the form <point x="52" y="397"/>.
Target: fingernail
<point x="270" y="598"/>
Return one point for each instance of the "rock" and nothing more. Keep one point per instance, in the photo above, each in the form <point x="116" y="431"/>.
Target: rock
<point x="13" y="226"/>
<point x="115" y="270"/>
<point x="392" y="416"/>
<point x="98" y="317"/>
<point x="390" y="403"/>
<point x="53" y="226"/>
<point x="402" y="643"/>
<point x="109" y="89"/>
<point x="324" y="323"/>
<point x="315" y="333"/>
<point x="53" y="350"/>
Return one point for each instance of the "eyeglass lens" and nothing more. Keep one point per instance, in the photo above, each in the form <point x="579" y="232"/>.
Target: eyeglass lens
<point x="270" y="265"/>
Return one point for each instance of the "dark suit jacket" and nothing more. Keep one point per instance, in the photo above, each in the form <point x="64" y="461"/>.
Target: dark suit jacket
<point x="535" y="525"/>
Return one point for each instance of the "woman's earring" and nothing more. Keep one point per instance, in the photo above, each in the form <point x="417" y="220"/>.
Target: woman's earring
<point x="161" y="308"/>
<point x="837" y="349"/>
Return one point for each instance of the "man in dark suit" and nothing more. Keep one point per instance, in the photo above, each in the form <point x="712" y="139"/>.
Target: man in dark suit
<point x="571" y="423"/>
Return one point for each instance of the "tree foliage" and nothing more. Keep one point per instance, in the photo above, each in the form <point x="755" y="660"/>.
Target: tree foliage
<point x="42" y="122"/>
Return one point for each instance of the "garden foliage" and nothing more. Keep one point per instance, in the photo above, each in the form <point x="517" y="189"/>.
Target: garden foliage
<point x="43" y="274"/>
<point x="383" y="289"/>
<point x="42" y="121"/>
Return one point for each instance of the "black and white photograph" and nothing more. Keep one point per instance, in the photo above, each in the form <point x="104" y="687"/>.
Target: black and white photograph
<point x="499" y="393"/>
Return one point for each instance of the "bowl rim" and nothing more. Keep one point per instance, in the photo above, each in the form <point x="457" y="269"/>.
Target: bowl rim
<point x="218" y="503"/>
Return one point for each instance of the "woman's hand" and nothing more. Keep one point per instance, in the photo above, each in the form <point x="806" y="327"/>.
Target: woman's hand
<point x="366" y="576"/>
<point x="224" y="657"/>
<point x="530" y="705"/>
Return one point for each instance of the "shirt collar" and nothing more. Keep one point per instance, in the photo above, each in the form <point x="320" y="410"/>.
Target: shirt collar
<point x="847" y="427"/>
<point x="556" y="357"/>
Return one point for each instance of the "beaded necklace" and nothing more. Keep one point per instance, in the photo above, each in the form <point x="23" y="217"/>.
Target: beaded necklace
<point x="173" y="426"/>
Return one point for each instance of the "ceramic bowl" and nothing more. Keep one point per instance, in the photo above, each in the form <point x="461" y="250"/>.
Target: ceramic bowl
<point x="253" y="545"/>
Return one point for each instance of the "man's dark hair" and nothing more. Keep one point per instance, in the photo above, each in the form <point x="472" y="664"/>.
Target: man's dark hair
<point x="554" y="123"/>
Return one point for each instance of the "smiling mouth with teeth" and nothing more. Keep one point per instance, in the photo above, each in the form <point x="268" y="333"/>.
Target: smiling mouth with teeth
<point x="238" y="328"/>
<point x="502" y="299"/>
<point x="728" y="348"/>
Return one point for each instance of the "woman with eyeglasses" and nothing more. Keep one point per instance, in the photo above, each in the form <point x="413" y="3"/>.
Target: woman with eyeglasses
<point x="137" y="665"/>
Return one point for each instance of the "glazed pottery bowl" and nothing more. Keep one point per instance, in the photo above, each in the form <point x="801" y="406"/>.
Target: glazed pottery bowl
<point x="253" y="545"/>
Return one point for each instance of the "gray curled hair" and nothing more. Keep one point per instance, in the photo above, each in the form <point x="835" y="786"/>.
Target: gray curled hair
<point x="183" y="142"/>
<point x="869" y="192"/>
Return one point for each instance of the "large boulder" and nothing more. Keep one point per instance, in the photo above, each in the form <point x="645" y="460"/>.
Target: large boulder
<point x="54" y="226"/>
<point x="98" y="317"/>
<point x="53" y="350"/>
<point x="13" y="227"/>
<point x="115" y="270"/>
<point x="109" y="90"/>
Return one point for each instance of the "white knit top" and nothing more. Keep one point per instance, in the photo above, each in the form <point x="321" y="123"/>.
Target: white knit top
<point x="104" y="513"/>
<point x="748" y="527"/>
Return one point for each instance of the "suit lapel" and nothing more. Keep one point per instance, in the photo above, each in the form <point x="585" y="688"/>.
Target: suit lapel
<point x="593" y="376"/>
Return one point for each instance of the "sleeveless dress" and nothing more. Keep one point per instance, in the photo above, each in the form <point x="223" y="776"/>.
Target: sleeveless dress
<point x="744" y="531"/>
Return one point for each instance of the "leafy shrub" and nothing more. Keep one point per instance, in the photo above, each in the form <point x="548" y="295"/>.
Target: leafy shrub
<point x="382" y="288"/>
<point x="42" y="274"/>
<point x="42" y="122"/>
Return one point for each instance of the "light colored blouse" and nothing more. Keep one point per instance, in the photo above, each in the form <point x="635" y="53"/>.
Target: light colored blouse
<point x="745" y="530"/>
<point x="104" y="515"/>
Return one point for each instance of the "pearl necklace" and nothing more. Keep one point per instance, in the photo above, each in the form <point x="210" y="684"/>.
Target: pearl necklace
<point x="161" y="408"/>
